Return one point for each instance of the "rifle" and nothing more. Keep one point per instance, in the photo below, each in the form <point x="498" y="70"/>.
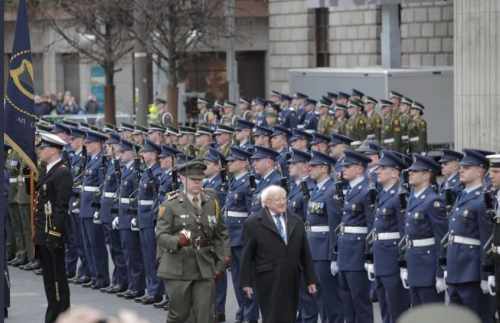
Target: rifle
<point x="96" y="203"/>
<point x="175" y="179"/>
<point x="224" y="175"/>
<point x="305" y="192"/>
<point x="252" y="183"/>
<point x="340" y="184"/>
<point x="77" y="182"/>
<point x="449" y="199"/>
<point x="489" y="203"/>
<point x="404" y="191"/>
<point x="134" y="204"/>
<point x="284" y="184"/>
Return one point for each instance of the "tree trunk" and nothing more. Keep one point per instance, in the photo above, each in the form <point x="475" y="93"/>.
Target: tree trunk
<point x="172" y="92"/>
<point x="109" y="96"/>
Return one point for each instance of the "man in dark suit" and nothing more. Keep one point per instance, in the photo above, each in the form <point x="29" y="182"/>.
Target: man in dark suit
<point x="275" y="255"/>
<point x="53" y="193"/>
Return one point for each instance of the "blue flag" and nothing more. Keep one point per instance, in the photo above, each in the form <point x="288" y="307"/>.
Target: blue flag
<point x="19" y="106"/>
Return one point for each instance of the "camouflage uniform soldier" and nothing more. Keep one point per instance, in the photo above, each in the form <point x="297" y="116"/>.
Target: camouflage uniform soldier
<point x="404" y="118"/>
<point x="355" y="127"/>
<point x="326" y="122"/>
<point x="374" y="120"/>
<point x="228" y="118"/>
<point x="193" y="246"/>
<point x="417" y="129"/>
<point x="340" y="119"/>
<point x="391" y="128"/>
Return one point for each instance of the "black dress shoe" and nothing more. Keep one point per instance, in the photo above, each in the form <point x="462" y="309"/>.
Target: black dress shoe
<point x="38" y="271"/>
<point x="134" y="295"/>
<point x="88" y="284"/>
<point x="13" y="260"/>
<point x="117" y="289"/>
<point x="124" y="293"/>
<point x="140" y="299"/>
<point x="161" y="304"/>
<point x="106" y="289"/>
<point x="83" y="280"/>
<point x="20" y="262"/>
<point x="221" y="317"/>
<point x="150" y="300"/>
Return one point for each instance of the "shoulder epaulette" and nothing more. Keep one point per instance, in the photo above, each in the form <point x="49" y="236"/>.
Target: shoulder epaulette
<point x="172" y="195"/>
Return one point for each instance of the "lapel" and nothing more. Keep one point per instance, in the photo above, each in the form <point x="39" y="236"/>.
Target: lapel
<point x="417" y="201"/>
<point x="46" y="177"/>
<point x="267" y="222"/>
<point x="190" y="208"/>
<point x="356" y="190"/>
<point x="290" y="226"/>
<point x="386" y="195"/>
<point x="466" y="197"/>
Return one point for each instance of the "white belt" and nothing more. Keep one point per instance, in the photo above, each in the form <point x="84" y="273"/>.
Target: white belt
<point x="355" y="230"/>
<point x="404" y="137"/>
<point x="79" y="187"/>
<point x="464" y="240"/>
<point x="110" y="195"/>
<point x="389" y="141"/>
<point x="91" y="189"/>
<point x="125" y="200"/>
<point x="146" y="202"/>
<point x="423" y="242"/>
<point x="319" y="228"/>
<point x="495" y="249"/>
<point x="13" y="180"/>
<point x="414" y="139"/>
<point x="235" y="214"/>
<point x="387" y="236"/>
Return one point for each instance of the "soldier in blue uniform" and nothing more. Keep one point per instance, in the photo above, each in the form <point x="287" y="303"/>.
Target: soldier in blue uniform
<point x="357" y="219"/>
<point x="388" y="225"/>
<point x="108" y="210"/>
<point x="300" y="140"/>
<point x="262" y="136"/>
<point x="287" y="116"/>
<point x="322" y="217"/>
<point x="469" y="229"/>
<point x="425" y="227"/>
<point x="264" y="164"/>
<point x="451" y="186"/>
<point x="243" y="134"/>
<point x="279" y="142"/>
<point x="167" y="162"/>
<point x="74" y="247"/>
<point x="320" y="143"/>
<point x="236" y="211"/>
<point x="311" y="118"/>
<point x="93" y="233"/>
<point x="147" y="210"/>
<point x="217" y="180"/>
<point x="301" y="184"/>
<point x="260" y="118"/>
<point x="130" y="240"/>
<point x="300" y="101"/>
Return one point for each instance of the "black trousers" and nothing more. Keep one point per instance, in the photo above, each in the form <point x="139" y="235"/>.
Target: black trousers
<point x="54" y="281"/>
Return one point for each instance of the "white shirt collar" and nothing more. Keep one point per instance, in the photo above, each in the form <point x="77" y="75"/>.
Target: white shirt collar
<point x="269" y="173"/>
<point x="451" y="176"/>
<point x="240" y="176"/>
<point x="356" y="181"/>
<point x="51" y="165"/>
<point x="473" y="188"/>
<point x="320" y="184"/>
<point x="417" y="194"/>
<point x="129" y="164"/>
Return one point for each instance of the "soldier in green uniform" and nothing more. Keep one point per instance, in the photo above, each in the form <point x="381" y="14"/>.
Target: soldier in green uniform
<point x="224" y="136"/>
<point x="395" y="99"/>
<point x="417" y="129"/>
<point x="186" y="141"/>
<point x="404" y="119"/>
<point x="355" y="127"/>
<point x="245" y="109"/>
<point x="203" y="141"/>
<point x="229" y="117"/>
<point x="391" y="129"/>
<point x="202" y="106"/>
<point x="326" y="122"/>
<point x="193" y="246"/>
<point x="340" y="119"/>
<point x="374" y="120"/>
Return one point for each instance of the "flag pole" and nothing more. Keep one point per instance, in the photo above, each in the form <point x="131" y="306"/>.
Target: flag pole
<point x="3" y="199"/>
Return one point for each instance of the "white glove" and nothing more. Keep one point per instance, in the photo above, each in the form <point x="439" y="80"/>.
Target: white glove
<point x="133" y="225"/>
<point x="114" y="224"/>
<point x="334" y="268"/>
<point x="403" y="274"/>
<point x="370" y="270"/>
<point x="440" y="285"/>
<point x="484" y="286"/>
<point x="491" y="285"/>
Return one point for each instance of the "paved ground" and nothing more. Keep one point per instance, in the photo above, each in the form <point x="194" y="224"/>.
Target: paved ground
<point x="28" y="301"/>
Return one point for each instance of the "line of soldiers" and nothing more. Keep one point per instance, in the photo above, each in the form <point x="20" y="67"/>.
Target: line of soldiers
<point x="379" y="224"/>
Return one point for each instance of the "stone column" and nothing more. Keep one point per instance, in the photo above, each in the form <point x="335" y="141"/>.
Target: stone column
<point x="477" y="74"/>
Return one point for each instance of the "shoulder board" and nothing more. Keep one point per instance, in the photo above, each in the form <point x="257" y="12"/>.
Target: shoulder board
<point x="172" y="195"/>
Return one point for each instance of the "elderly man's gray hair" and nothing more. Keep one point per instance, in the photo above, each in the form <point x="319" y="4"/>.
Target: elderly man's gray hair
<point x="269" y="192"/>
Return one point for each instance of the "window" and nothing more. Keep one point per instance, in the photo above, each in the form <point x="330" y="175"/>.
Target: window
<point x="322" y="52"/>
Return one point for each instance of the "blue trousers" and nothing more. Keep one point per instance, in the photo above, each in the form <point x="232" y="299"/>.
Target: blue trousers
<point x="248" y="309"/>
<point x="393" y="296"/>
<point x="355" y="296"/>
<point x="425" y="295"/>
<point x="96" y="251"/>
<point x="468" y="295"/>
<point x="131" y="247"/>
<point x="220" y="294"/>
<point x="119" y="275"/>
<point x="326" y="303"/>
<point x="154" y="286"/>
<point x="74" y="249"/>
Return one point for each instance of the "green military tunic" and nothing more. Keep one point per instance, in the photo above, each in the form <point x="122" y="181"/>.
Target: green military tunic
<point x="391" y="132"/>
<point x="417" y="130"/>
<point x="326" y="124"/>
<point x="228" y="119"/>
<point x="355" y="127"/>
<point x="340" y="126"/>
<point x="374" y="125"/>
<point x="189" y="271"/>
<point x="404" y="119"/>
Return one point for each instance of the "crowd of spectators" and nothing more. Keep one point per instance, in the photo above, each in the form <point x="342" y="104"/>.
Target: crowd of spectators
<point x="65" y="103"/>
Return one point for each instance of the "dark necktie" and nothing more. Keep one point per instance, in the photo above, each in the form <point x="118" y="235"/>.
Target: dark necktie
<point x="280" y="227"/>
